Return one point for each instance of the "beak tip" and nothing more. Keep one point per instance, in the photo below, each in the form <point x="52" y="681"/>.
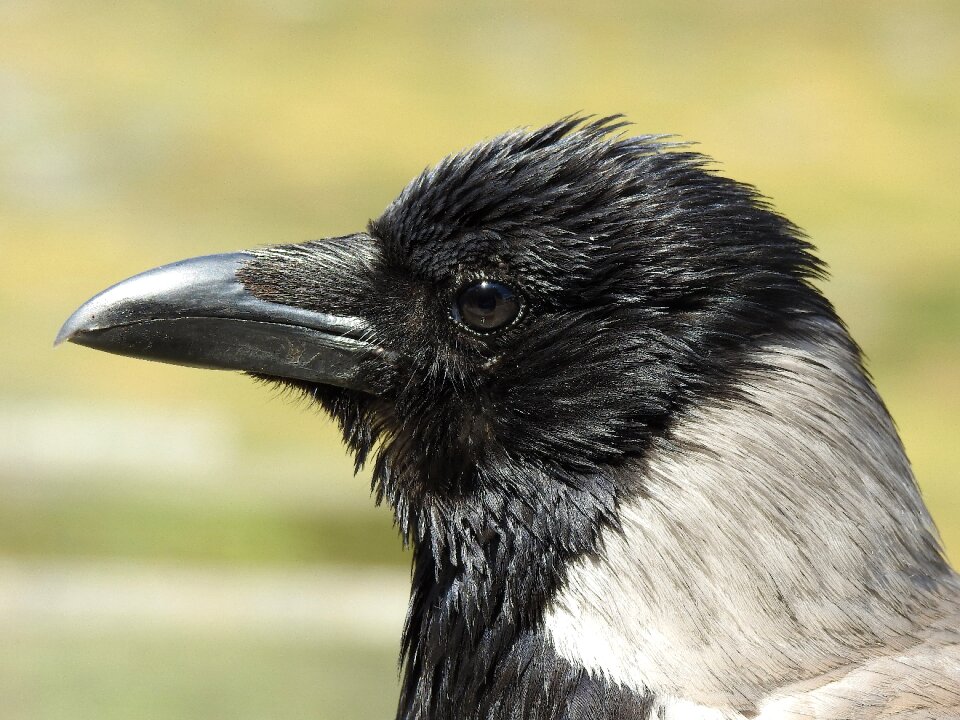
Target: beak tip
<point x="79" y="322"/>
<point x="63" y="336"/>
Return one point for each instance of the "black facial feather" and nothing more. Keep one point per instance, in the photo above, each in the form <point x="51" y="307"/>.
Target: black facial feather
<point x="645" y="281"/>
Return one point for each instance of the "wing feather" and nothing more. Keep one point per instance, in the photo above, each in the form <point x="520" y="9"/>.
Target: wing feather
<point x="920" y="684"/>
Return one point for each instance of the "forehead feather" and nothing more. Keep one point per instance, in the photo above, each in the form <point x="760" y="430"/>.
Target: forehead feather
<point x="578" y="205"/>
<point x="564" y="178"/>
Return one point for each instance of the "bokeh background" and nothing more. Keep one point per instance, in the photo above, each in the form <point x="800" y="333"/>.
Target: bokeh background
<point x="185" y="544"/>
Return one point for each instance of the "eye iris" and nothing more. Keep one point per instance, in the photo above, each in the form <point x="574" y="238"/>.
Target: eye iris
<point x="487" y="305"/>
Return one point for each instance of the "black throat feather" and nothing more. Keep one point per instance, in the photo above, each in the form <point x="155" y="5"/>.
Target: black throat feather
<point x="488" y="555"/>
<point x="483" y="574"/>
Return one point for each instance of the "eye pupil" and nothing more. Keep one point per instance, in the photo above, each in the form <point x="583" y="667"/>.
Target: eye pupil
<point x="486" y="306"/>
<point x="486" y="301"/>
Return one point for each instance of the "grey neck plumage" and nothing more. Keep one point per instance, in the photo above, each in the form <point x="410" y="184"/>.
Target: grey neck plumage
<point x="780" y="535"/>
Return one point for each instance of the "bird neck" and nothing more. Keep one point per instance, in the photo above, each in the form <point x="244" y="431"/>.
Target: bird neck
<point x="781" y="513"/>
<point x="781" y="535"/>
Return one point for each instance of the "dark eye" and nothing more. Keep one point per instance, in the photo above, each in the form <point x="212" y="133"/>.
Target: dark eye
<point x="486" y="306"/>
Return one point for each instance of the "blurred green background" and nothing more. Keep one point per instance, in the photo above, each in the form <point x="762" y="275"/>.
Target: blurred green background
<point x="185" y="544"/>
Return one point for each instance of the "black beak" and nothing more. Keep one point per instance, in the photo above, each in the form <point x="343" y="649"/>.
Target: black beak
<point x="197" y="313"/>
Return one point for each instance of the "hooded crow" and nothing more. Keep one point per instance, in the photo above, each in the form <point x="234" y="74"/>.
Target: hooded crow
<point x="636" y="455"/>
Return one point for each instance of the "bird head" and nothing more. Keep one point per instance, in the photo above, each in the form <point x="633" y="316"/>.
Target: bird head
<point x="523" y="319"/>
<point x="524" y="315"/>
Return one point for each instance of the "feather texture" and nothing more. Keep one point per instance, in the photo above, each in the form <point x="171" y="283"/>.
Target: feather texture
<point x="782" y="540"/>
